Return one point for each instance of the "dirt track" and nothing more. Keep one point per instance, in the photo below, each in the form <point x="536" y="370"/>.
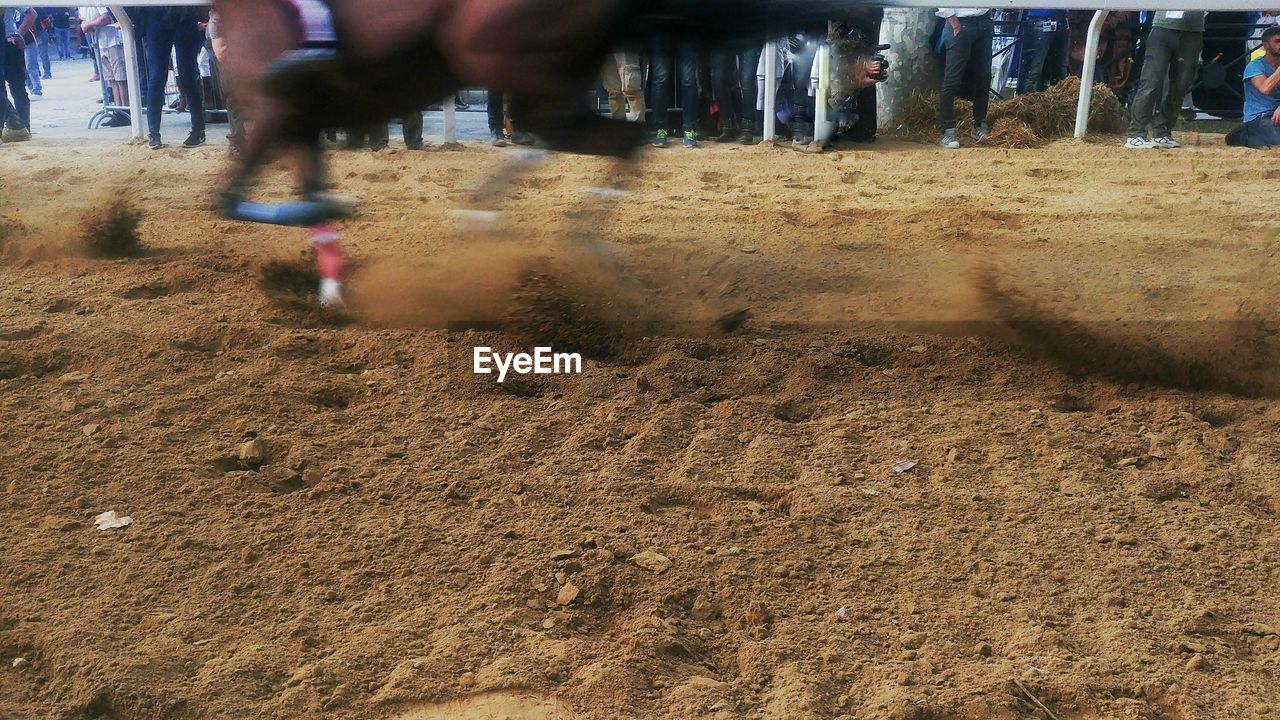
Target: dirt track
<point x="1102" y="543"/>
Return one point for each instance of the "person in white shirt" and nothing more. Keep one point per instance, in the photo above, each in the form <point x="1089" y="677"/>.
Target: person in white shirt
<point x="968" y="45"/>
<point x="97" y="20"/>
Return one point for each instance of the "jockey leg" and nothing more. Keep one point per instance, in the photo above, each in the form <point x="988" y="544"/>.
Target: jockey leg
<point x="297" y="70"/>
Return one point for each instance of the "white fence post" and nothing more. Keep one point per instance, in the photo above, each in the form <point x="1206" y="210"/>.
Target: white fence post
<point x="450" y="121"/>
<point x="770" y="90"/>
<point x="1087" y="70"/>
<point x="131" y="69"/>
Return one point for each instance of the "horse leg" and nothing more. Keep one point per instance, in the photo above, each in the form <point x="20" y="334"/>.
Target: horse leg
<point x="483" y="211"/>
<point x="330" y="261"/>
<point x="589" y="220"/>
<point x="256" y="147"/>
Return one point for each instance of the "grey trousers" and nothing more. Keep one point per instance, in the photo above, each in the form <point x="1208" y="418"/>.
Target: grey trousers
<point x="1171" y="55"/>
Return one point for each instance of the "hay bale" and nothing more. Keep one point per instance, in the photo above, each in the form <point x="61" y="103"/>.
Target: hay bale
<point x="1010" y="132"/>
<point x="110" y="227"/>
<point x="1106" y="113"/>
<point x="1047" y="115"/>
<point x="919" y="117"/>
<point x="1052" y="114"/>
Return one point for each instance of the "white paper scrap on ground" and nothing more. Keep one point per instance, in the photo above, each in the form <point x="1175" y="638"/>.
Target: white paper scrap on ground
<point x="109" y="520"/>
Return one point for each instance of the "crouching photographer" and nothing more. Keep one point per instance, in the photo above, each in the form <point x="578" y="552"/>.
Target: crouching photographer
<point x="856" y="68"/>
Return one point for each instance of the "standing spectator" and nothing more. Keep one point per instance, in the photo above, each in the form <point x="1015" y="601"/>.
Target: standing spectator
<point x="37" y="52"/>
<point x="1045" y="44"/>
<point x="663" y="51"/>
<point x="622" y="78"/>
<point x="101" y="27"/>
<point x="218" y="45"/>
<point x="803" y="51"/>
<point x="60" y="19"/>
<point x="380" y="136"/>
<point x="1173" y="49"/>
<point x="733" y="85"/>
<point x="1261" y="128"/>
<point x="177" y="30"/>
<point x="968" y="57"/>
<point x="17" y="120"/>
<point x="497" y="118"/>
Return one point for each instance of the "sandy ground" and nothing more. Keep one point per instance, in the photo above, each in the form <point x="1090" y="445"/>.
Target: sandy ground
<point x="1073" y="344"/>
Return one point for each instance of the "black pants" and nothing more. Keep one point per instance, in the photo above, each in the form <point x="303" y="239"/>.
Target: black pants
<point x="13" y="72"/>
<point x="380" y="135"/>
<point x="733" y="85"/>
<point x="186" y="40"/>
<point x="497" y="118"/>
<point x="968" y="60"/>
<point x="868" y="23"/>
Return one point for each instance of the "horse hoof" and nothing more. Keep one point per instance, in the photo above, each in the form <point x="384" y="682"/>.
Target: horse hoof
<point x="331" y="294"/>
<point x="607" y="192"/>
<point x="297" y="214"/>
<point x="342" y="206"/>
<point x="478" y="220"/>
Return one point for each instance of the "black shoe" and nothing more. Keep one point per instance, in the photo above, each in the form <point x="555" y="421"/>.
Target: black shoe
<point x="521" y="137"/>
<point x="153" y="141"/>
<point x="746" y="137"/>
<point x="730" y="134"/>
<point x="116" y="121"/>
<point x="194" y="140"/>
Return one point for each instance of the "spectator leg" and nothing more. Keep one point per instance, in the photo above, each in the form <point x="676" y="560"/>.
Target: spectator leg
<point x="632" y="81"/>
<point x="980" y="69"/>
<point x="612" y="81"/>
<point x="187" y="42"/>
<point x="15" y="75"/>
<point x="1155" y="66"/>
<point x="1182" y="73"/>
<point x="413" y="130"/>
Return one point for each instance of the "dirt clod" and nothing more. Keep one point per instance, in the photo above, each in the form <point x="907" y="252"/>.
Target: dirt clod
<point x="109" y="229"/>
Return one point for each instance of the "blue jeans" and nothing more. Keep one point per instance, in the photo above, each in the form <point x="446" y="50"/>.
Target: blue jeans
<point x="187" y="40"/>
<point x="32" y="53"/>
<point x="662" y="50"/>
<point x="1044" y="54"/>
<point x="62" y="36"/>
<point x="42" y="45"/>
<point x="1258" y="133"/>
<point x="733" y="85"/>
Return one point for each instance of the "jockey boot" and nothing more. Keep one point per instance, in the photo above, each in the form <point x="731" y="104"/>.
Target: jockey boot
<point x="295" y="71"/>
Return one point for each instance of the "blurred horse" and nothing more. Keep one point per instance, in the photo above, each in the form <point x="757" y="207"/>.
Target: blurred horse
<point x="397" y="56"/>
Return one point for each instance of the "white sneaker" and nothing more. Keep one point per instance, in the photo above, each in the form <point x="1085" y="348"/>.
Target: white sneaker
<point x="949" y="139"/>
<point x="1165" y="142"/>
<point x="1137" y="143"/>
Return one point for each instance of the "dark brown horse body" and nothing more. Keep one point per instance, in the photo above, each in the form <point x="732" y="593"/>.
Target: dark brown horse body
<point x="400" y="55"/>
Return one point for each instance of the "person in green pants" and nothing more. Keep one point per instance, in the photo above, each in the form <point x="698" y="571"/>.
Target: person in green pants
<point x="1173" y="53"/>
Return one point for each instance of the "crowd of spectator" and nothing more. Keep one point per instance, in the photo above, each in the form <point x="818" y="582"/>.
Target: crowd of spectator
<point x="719" y="93"/>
